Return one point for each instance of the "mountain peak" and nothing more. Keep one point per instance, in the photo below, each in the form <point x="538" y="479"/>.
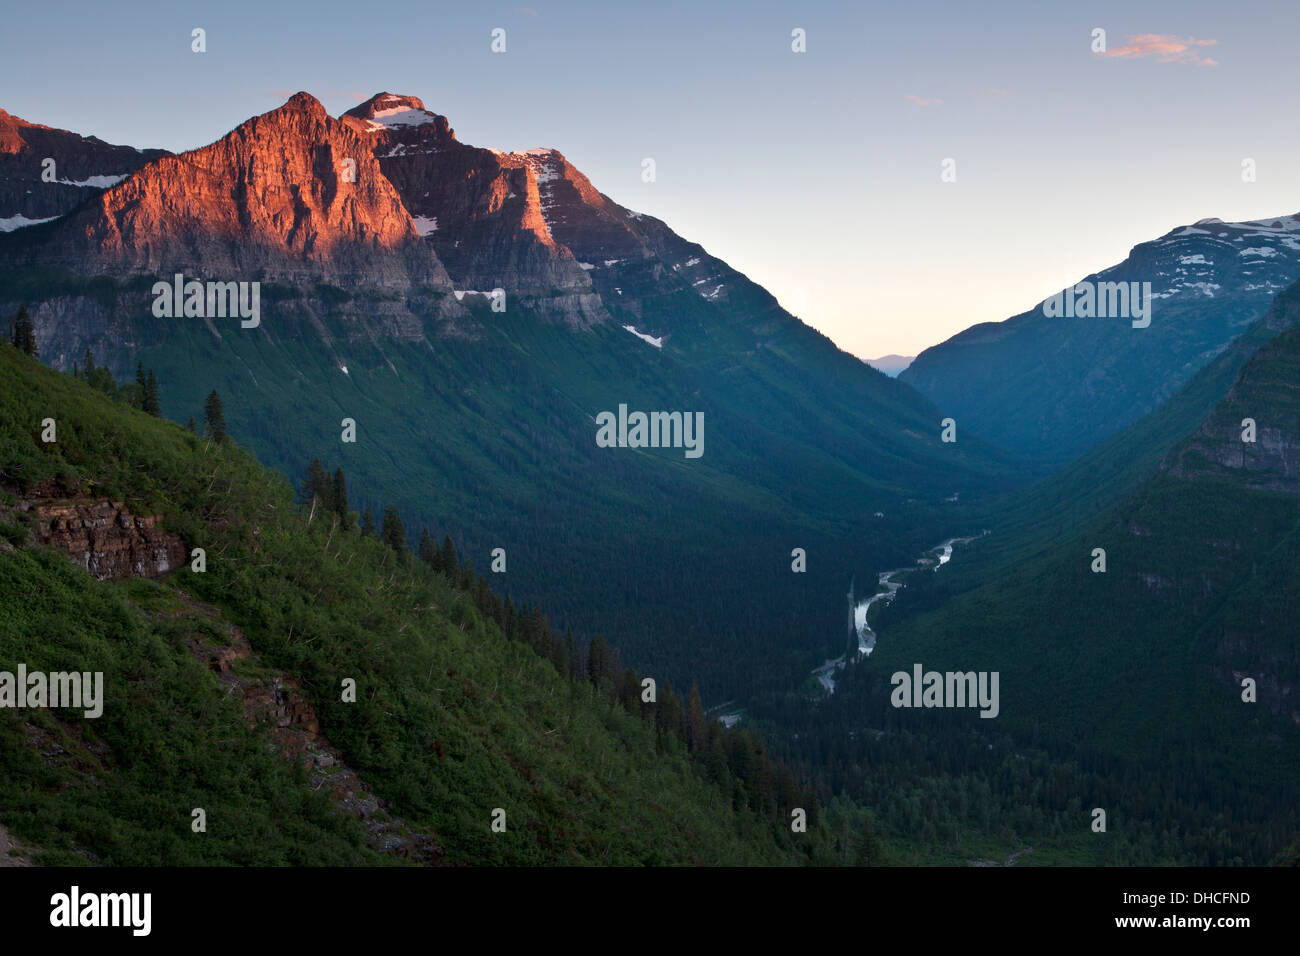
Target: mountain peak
<point x="304" y="102"/>
<point x="290" y="195"/>
<point x="393" y="113"/>
<point x="11" y="132"/>
<point x="386" y="101"/>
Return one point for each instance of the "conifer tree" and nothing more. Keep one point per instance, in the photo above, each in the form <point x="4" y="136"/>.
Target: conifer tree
<point x="24" y="338"/>
<point x="367" y="523"/>
<point x="214" y="418"/>
<point x="392" y="532"/>
<point x="670" y="712"/>
<point x="316" y="487"/>
<point x="597" y="653"/>
<point x="339" y="498"/>
<point x="559" y="660"/>
<point x="571" y="652"/>
<point x="630" y="692"/>
<point x="428" y="551"/>
<point x="696" y="732"/>
<point x="867" y="848"/>
<point x="450" y="562"/>
<point x="89" y="364"/>
<point x="152" y="403"/>
<point x="190" y="426"/>
<point x="716" y="756"/>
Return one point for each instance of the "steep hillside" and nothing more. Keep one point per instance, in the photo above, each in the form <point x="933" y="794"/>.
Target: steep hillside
<point x="1050" y="388"/>
<point x="1030" y="522"/>
<point x="452" y="718"/>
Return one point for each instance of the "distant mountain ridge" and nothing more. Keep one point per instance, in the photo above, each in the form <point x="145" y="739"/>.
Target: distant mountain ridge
<point x="1049" y="388"/>
<point x="891" y="364"/>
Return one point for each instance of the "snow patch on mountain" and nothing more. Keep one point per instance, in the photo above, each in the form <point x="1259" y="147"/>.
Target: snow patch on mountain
<point x="425" y="225"/>
<point x="399" y="116"/>
<point x="20" y="222"/>
<point x="657" y="342"/>
<point x="96" y="182"/>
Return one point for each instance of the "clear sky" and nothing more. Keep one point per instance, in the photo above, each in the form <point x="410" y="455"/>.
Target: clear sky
<point x="816" y="173"/>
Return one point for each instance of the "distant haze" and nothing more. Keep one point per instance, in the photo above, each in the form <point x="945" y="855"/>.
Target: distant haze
<point x="891" y="365"/>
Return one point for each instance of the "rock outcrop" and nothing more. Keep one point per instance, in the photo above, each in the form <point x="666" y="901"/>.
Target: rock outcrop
<point x="1267" y="394"/>
<point x="105" y="538"/>
<point x="277" y="701"/>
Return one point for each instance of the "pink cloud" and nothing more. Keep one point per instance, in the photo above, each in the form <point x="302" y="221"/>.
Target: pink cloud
<point x="921" y="100"/>
<point x="1166" y="48"/>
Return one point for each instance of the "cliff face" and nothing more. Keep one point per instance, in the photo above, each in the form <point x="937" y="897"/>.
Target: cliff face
<point x="1240" y="550"/>
<point x="482" y="210"/>
<point x="105" y="538"/>
<point x="116" y="325"/>
<point x="83" y="167"/>
<point x="1267" y="391"/>
<point x="292" y="195"/>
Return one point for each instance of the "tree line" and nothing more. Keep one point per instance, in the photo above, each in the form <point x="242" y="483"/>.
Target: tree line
<point x="736" y="760"/>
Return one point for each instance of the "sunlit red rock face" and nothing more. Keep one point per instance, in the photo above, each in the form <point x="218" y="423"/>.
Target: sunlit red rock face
<point x="481" y="209"/>
<point x="379" y="200"/>
<point x="272" y="200"/>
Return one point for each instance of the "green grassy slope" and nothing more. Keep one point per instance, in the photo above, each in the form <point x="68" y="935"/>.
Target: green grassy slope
<point x="451" y="721"/>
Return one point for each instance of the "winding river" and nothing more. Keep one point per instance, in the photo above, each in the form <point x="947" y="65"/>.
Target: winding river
<point x="934" y="558"/>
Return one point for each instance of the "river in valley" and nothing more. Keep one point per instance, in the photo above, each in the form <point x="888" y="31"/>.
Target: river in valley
<point x="890" y="581"/>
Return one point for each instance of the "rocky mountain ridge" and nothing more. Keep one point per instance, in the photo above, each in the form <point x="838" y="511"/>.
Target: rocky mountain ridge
<point x="1050" y="387"/>
<point x="46" y="173"/>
